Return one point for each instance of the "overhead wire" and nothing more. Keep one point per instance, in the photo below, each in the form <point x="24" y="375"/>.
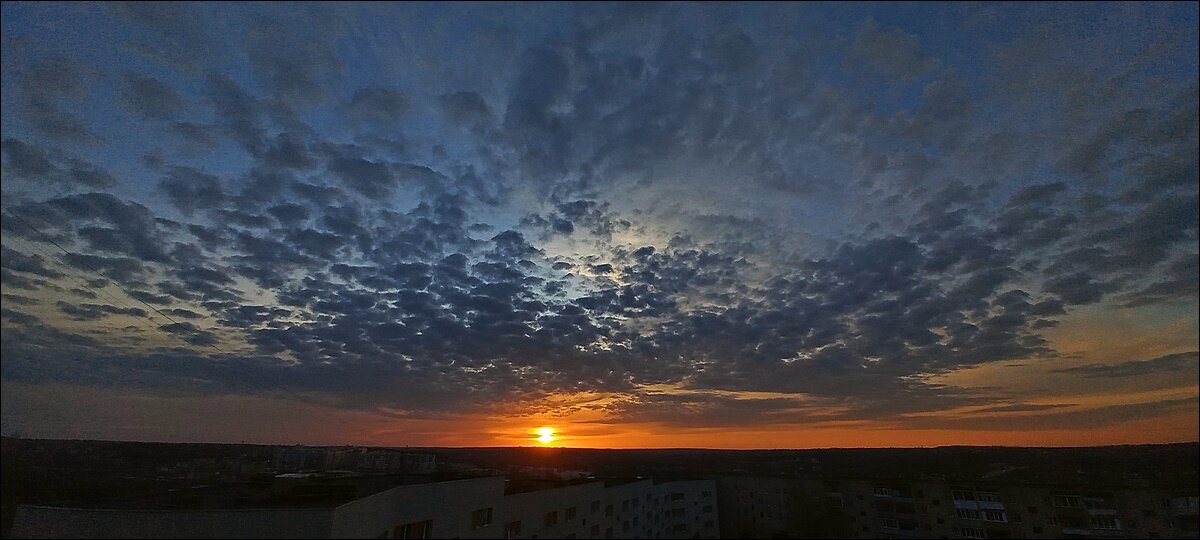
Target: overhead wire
<point x="70" y="268"/>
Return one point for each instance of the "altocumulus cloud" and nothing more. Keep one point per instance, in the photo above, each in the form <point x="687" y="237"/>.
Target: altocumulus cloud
<point x="620" y="197"/>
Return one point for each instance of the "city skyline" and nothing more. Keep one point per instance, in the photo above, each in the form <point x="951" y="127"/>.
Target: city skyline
<point x="614" y="226"/>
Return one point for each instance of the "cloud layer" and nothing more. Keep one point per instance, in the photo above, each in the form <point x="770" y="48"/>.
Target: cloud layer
<point x="707" y="215"/>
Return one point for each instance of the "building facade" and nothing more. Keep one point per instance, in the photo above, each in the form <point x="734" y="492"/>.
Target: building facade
<point x="765" y="507"/>
<point x="473" y="508"/>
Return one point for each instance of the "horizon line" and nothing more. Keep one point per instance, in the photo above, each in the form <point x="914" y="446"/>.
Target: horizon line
<point x="550" y="447"/>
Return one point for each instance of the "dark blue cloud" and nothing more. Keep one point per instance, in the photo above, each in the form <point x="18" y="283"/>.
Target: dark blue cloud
<point x="826" y="203"/>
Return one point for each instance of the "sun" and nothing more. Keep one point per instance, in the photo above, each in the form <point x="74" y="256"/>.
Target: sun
<point x="545" y="435"/>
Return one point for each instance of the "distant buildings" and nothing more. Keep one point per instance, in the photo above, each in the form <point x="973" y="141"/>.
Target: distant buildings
<point x="473" y="508"/>
<point x="150" y="490"/>
<point x="296" y="458"/>
<point x="765" y="507"/>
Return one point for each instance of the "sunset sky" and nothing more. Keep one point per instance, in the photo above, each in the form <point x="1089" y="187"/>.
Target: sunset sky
<point x="664" y="225"/>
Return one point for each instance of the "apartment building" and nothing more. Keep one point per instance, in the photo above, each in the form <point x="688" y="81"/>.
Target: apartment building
<point x="855" y="508"/>
<point x="472" y="508"/>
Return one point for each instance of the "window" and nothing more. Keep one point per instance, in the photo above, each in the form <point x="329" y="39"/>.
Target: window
<point x="1105" y="522"/>
<point x="962" y="495"/>
<point x="995" y="515"/>
<point x="595" y="506"/>
<point x="705" y="494"/>
<point x="608" y="533"/>
<point x="1068" y="501"/>
<point x="481" y="518"/>
<point x="595" y="530"/>
<point x="677" y="496"/>
<point x="419" y="529"/>
<point x="988" y="497"/>
<point x="970" y="532"/>
<point x="1032" y="509"/>
<point x="1180" y="503"/>
<point x="889" y="523"/>
<point x="512" y="530"/>
<point x="708" y="509"/>
<point x="570" y="514"/>
<point x="967" y="513"/>
<point x="551" y="518"/>
<point x="882" y="492"/>
<point x="608" y="510"/>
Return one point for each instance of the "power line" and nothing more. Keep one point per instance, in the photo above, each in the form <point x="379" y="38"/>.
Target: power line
<point x="81" y="281"/>
<point x="45" y="237"/>
<point x="70" y="268"/>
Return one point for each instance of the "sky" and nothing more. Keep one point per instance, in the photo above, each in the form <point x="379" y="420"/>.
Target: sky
<point x="641" y="225"/>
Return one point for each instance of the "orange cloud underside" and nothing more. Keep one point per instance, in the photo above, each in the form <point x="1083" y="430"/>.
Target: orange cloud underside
<point x="77" y="410"/>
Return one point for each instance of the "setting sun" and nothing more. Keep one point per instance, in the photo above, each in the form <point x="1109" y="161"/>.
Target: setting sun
<point x="545" y="435"/>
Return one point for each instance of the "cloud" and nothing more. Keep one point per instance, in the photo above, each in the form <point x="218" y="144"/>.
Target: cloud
<point x="27" y="163"/>
<point x="642" y="197"/>
<point x="26" y="263"/>
<point x="170" y="33"/>
<point x="150" y="97"/>
<point x="890" y="51"/>
<point x="382" y="105"/>
<point x="44" y="89"/>
<point x="1135" y="368"/>
<point x="89" y="312"/>
<point x="191" y="190"/>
